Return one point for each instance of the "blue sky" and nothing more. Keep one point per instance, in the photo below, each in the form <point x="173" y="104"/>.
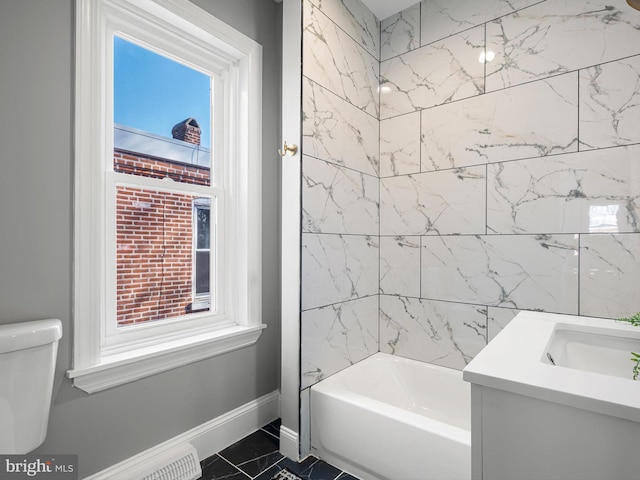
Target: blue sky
<point x="153" y="93"/>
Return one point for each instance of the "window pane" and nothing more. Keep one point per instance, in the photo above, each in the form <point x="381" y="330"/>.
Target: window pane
<point x="203" y="228"/>
<point x="162" y="116"/>
<point x="155" y="256"/>
<point x="202" y="272"/>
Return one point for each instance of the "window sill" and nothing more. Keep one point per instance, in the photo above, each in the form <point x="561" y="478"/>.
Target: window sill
<point x="127" y="367"/>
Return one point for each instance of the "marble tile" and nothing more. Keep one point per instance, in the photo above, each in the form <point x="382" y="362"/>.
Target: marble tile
<point x="596" y="191"/>
<point x="355" y="19"/>
<point x="400" y="266"/>
<point x="609" y="275"/>
<point x="336" y="131"/>
<point x="410" y="82"/>
<point x="610" y="104"/>
<point x="337" y="62"/>
<point x="254" y="453"/>
<point x="336" y="268"/>
<point x="497" y="319"/>
<point x="514" y="271"/>
<point x="505" y="125"/>
<point x="447" y="334"/>
<point x="308" y="469"/>
<point x="216" y="468"/>
<point x="441" y="18"/>
<point x="435" y="203"/>
<point x="400" y="145"/>
<point x="336" y="336"/>
<point x="273" y="427"/>
<point x="559" y="36"/>
<point x="400" y="33"/>
<point x="338" y="200"/>
<point x="346" y="476"/>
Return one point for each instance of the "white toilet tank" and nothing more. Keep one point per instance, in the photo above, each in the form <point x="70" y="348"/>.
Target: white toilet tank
<point x="27" y="365"/>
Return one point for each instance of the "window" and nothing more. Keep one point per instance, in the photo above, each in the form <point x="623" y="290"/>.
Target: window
<point x="167" y="229"/>
<point x="163" y="268"/>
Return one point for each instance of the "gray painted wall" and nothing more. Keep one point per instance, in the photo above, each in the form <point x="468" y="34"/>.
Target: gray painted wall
<point x="36" y="239"/>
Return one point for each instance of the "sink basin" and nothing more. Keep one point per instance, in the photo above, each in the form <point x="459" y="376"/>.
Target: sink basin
<point x="592" y="356"/>
<point x="599" y="350"/>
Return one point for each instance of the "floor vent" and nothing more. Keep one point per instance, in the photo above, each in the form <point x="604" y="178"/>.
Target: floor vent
<point x="285" y="474"/>
<point x="181" y="463"/>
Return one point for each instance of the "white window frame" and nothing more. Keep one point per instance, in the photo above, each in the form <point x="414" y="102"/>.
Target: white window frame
<point x="104" y="357"/>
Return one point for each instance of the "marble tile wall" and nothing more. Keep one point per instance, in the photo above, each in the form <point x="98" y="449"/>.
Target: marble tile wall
<point x="340" y="187"/>
<point x="464" y="161"/>
<point x="509" y="169"/>
<point x="338" y="62"/>
<point x="443" y="333"/>
<point x="553" y="37"/>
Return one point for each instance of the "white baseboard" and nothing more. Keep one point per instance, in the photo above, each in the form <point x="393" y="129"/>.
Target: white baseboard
<point x="289" y="443"/>
<point x="208" y="438"/>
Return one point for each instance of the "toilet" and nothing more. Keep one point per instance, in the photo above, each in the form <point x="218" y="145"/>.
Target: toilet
<point x="27" y="365"/>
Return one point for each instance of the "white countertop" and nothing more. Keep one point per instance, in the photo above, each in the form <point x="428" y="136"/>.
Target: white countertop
<point x="514" y="362"/>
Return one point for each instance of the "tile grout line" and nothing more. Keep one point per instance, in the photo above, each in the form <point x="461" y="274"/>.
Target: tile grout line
<point x="277" y="437"/>
<point x="261" y="457"/>
<point x="234" y="466"/>
<point x="265" y="470"/>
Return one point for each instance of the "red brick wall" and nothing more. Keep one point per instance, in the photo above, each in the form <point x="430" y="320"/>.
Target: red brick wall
<point x="126" y="162"/>
<point x="154" y="242"/>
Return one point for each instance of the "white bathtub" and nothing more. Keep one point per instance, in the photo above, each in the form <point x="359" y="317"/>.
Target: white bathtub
<point x="390" y="418"/>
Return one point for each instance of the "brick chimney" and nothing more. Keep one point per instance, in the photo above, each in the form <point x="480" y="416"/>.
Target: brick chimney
<point x="187" y="130"/>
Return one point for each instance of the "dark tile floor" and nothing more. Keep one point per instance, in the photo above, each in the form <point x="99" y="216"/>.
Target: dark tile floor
<point x="257" y="457"/>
